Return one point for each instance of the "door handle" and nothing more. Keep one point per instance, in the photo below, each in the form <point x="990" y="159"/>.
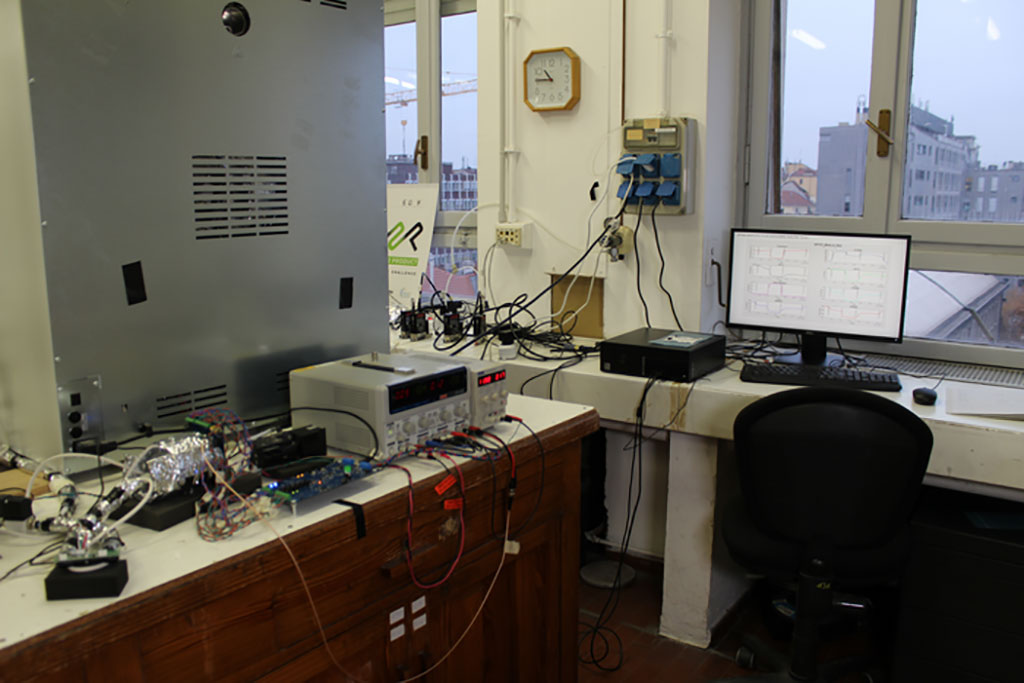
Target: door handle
<point x="420" y="153"/>
<point x="882" y="130"/>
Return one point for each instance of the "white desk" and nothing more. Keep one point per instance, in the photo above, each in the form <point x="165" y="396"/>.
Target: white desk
<point x="701" y="583"/>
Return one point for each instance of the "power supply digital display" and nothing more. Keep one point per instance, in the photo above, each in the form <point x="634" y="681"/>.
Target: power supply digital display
<point x="430" y="388"/>
<point x="484" y="380"/>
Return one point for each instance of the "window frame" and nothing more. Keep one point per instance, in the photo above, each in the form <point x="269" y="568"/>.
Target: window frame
<point x="427" y="14"/>
<point x="944" y="245"/>
<point x="767" y="58"/>
<point x="988" y="247"/>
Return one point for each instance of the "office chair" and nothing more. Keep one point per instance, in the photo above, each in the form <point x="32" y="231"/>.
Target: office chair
<point x="829" y="479"/>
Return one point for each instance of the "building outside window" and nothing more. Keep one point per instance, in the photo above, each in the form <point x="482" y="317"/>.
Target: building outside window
<point x="444" y="109"/>
<point x="824" y="71"/>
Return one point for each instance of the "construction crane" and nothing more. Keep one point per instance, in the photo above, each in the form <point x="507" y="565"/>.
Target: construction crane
<point x="404" y="97"/>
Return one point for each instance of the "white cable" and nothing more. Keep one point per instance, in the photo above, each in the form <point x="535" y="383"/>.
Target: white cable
<point x="548" y="230"/>
<point x="487" y="271"/>
<point x="476" y="615"/>
<point x="579" y="267"/>
<point x="39" y="467"/>
<point x="597" y="256"/>
<point x="590" y="218"/>
<point x="455" y="233"/>
<point x="590" y="290"/>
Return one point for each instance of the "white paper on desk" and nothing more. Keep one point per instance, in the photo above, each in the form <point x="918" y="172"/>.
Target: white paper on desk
<point x="983" y="399"/>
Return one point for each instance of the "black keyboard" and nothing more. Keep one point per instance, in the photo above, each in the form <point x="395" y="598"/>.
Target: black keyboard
<point x="819" y="376"/>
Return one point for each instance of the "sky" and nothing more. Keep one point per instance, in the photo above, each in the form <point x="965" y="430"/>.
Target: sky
<point x="458" y="112"/>
<point x="966" y="56"/>
<point x="964" y="52"/>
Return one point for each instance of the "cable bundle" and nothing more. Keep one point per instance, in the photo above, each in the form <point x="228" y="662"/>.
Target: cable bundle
<point x="221" y="511"/>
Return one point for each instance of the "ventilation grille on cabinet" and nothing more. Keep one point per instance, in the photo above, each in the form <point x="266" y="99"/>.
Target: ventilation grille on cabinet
<point x="336" y="4"/>
<point x="182" y="404"/>
<point x="239" y="196"/>
<point x="281" y="382"/>
<point x="964" y="372"/>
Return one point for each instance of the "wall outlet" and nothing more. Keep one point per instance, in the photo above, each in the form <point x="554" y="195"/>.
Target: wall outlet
<point x="518" y="235"/>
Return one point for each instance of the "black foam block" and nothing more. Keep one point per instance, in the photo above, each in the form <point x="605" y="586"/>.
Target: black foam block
<point x="71" y="583"/>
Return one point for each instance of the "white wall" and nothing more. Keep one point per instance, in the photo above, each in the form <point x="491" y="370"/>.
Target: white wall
<point x="560" y="154"/>
<point x="28" y="402"/>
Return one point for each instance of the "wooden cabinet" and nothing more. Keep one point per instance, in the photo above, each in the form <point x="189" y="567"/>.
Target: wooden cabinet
<point x="248" y="618"/>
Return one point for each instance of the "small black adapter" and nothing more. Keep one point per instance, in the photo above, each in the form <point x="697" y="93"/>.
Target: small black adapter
<point x="290" y="444"/>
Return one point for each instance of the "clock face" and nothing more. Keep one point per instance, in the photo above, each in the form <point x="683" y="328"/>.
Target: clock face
<point x="552" y="79"/>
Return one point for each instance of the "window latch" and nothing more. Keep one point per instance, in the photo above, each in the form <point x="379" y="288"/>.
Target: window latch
<point x="882" y="130"/>
<point x="420" y="153"/>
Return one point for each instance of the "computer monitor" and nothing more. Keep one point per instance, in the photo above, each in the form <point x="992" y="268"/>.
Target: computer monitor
<point x="818" y="285"/>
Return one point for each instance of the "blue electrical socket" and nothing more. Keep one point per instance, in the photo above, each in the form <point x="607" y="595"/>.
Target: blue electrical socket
<point x="668" y="192"/>
<point x="659" y="147"/>
<point x="649" y="165"/>
<point x="631" y="187"/>
<point x="671" y="165"/>
<point x="647" y="192"/>
<point x="627" y="165"/>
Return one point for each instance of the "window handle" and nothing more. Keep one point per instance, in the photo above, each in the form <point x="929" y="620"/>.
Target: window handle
<point x="882" y="130"/>
<point x="420" y="153"/>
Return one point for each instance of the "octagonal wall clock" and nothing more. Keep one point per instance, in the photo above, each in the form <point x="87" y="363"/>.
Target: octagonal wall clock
<point x="551" y="79"/>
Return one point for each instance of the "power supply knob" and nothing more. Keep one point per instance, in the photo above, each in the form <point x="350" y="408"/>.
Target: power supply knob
<point x="408" y="427"/>
<point x="461" y="410"/>
<point x="447" y="414"/>
<point x="424" y="422"/>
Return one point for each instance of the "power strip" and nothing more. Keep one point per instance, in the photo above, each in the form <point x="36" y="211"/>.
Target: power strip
<point x="518" y="235"/>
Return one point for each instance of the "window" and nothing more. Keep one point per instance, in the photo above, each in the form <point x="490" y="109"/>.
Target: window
<point x="458" y="110"/>
<point x="400" y="103"/>
<point x="430" y="89"/>
<point x="820" y="133"/>
<point x="822" y="71"/>
<point x="975" y="308"/>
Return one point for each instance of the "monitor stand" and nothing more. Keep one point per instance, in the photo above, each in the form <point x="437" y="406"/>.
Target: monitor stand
<point x="813" y="351"/>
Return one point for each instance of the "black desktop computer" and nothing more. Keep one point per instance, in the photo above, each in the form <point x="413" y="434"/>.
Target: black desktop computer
<point x="664" y="354"/>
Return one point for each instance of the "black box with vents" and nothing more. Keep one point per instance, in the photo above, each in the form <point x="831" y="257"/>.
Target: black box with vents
<point x="665" y="354"/>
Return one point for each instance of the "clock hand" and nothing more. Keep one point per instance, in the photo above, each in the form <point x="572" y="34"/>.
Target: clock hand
<point x="548" y="75"/>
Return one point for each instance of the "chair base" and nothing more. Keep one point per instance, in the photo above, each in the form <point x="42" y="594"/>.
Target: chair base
<point x="602" y="573"/>
<point x="756" y="653"/>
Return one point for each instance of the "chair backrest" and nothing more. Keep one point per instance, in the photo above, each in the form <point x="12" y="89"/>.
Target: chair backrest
<point x="838" y="466"/>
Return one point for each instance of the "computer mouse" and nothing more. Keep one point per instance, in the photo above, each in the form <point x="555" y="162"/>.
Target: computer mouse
<point x="925" y="396"/>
